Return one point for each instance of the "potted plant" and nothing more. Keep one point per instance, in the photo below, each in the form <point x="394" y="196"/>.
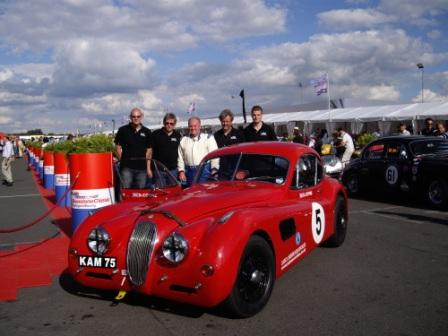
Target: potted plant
<point x="91" y="173"/>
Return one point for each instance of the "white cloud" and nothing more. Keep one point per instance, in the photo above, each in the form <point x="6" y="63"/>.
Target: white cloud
<point x="37" y="72"/>
<point x="440" y="81"/>
<point x="118" y="106"/>
<point x="85" y="67"/>
<point x="182" y="103"/>
<point x="367" y="58"/>
<point x="429" y="96"/>
<point x="144" y="25"/>
<point x="341" y="19"/>
<point x="6" y="74"/>
<point x="149" y="100"/>
<point x="434" y="34"/>
<point x="5" y="120"/>
<point x="383" y="93"/>
<point x="8" y="98"/>
<point x="416" y="12"/>
<point x="424" y="13"/>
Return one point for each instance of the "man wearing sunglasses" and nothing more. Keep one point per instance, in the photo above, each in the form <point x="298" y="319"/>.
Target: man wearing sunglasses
<point x="134" y="151"/>
<point x="165" y="142"/>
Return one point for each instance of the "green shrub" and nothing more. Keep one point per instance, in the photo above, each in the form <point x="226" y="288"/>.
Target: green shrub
<point x="364" y="138"/>
<point x="98" y="143"/>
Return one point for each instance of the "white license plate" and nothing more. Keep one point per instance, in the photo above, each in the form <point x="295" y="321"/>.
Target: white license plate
<point x="100" y="262"/>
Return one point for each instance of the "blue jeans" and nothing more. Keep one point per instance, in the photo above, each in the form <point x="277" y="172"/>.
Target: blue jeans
<point x="132" y="178"/>
<point x="191" y="171"/>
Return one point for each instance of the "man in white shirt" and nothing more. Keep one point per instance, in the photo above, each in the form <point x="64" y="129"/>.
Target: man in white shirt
<point x="8" y="157"/>
<point x="192" y="149"/>
<point x="346" y="142"/>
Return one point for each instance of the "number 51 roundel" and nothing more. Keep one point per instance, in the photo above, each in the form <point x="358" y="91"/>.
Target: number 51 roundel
<point x="317" y="222"/>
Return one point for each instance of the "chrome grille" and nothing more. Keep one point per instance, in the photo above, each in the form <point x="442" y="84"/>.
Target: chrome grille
<point x="140" y="247"/>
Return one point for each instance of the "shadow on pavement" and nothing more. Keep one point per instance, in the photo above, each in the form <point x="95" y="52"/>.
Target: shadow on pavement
<point x="415" y="217"/>
<point x="394" y="198"/>
<point x="132" y="298"/>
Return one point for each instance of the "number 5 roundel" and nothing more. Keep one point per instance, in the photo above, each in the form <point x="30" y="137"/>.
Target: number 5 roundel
<point x="317" y="222"/>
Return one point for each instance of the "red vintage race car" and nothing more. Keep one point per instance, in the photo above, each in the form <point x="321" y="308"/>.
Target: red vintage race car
<point x="254" y="211"/>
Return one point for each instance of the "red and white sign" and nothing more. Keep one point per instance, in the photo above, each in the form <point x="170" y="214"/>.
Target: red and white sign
<point x="93" y="198"/>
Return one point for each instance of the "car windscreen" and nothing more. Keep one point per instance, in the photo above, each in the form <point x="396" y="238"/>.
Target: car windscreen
<point x="429" y="146"/>
<point x="244" y="167"/>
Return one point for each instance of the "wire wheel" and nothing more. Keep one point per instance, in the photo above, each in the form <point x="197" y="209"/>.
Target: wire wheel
<point x="253" y="279"/>
<point x="340" y="224"/>
<point x="352" y="184"/>
<point x="437" y="193"/>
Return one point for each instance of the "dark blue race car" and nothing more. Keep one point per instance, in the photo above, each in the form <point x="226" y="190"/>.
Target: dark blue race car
<point x="415" y="164"/>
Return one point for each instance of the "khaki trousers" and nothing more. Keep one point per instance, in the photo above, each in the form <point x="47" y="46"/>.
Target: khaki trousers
<point x="6" y="169"/>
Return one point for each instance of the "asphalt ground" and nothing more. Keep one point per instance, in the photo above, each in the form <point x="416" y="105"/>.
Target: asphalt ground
<point x="21" y="204"/>
<point x="389" y="278"/>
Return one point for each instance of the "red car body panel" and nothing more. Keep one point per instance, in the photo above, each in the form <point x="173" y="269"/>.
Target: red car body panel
<point x="258" y="208"/>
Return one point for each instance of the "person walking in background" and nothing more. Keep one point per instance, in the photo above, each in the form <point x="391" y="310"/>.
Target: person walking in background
<point x="8" y="157"/>
<point x="347" y="143"/>
<point x="429" y="129"/>
<point x="165" y="142"/>
<point x="402" y="130"/>
<point x="297" y="136"/>
<point x="192" y="149"/>
<point x="258" y="130"/>
<point x="134" y="151"/>
<point x="21" y="147"/>
<point x="441" y="130"/>
<point x="227" y="135"/>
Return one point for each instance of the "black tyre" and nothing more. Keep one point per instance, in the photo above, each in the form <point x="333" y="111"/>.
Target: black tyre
<point x="254" y="281"/>
<point x="340" y="224"/>
<point x="437" y="193"/>
<point x="353" y="184"/>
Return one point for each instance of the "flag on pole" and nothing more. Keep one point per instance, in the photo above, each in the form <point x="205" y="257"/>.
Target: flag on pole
<point x="244" y="105"/>
<point x="192" y="108"/>
<point x="320" y="84"/>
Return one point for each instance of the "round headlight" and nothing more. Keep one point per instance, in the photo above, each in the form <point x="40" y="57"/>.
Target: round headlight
<point x="175" y="248"/>
<point x="98" y="240"/>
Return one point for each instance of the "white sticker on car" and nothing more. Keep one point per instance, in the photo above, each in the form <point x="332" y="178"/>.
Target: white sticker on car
<point x="317" y="222"/>
<point x="392" y="175"/>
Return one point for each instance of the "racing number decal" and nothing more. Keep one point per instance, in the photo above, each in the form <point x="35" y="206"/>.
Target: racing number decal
<point x="391" y="175"/>
<point x="317" y="222"/>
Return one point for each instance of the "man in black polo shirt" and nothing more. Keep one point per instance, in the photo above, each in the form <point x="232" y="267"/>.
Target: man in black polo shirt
<point x="134" y="151"/>
<point x="429" y="129"/>
<point x="227" y="135"/>
<point x="165" y="142"/>
<point x="258" y="130"/>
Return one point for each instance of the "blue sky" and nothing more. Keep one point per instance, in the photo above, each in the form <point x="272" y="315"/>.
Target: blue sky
<point x="76" y="64"/>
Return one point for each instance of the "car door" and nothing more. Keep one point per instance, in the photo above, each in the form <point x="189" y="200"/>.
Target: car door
<point x="307" y="188"/>
<point x="371" y="171"/>
<point x="397" y="165"/>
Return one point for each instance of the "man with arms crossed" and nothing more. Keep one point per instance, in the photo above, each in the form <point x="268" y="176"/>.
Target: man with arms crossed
<point x="134" y="151"/>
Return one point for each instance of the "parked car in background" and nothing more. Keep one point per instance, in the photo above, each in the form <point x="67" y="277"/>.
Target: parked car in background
<point x="415" y="164"/>
<point x="224" y="240"/>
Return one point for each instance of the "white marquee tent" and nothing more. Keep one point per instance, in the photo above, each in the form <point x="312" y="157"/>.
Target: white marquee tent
<point x="355" y="119"/>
